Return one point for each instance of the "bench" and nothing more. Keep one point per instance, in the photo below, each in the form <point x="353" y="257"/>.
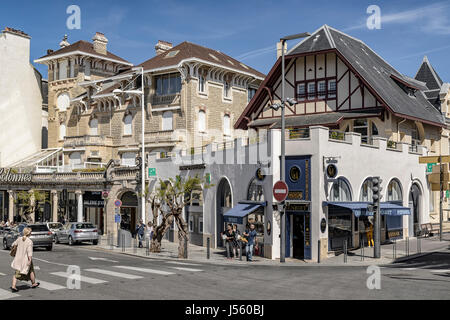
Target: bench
<point x="425" y="230"/>
<point x="435" y="229"/>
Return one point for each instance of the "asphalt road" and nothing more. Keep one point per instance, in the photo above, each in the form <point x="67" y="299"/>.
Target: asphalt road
<point x="115" y="276"/>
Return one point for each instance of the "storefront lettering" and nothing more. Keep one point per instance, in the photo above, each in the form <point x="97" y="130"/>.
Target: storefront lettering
<point x="6" y="175"/>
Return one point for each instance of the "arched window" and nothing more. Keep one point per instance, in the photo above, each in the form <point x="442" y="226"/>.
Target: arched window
<point x="255" y="191"/>
<point x="62" y="131"/>
<point x="127" y="121"/>
<point x="366" y="191"/>
<point x="394" y="191"/>
<point x="340" y="191"/>
<point x="226" y="125"/>
<point x="63" y="101"/>
<point x="93" y="127"/>
<point x="167" y="121"/>
<point x="201" y="121"/>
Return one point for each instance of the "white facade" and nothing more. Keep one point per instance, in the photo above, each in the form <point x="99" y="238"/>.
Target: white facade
<point x="21" y="102"/>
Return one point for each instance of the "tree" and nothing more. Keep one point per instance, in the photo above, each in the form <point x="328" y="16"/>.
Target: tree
<point x="30" y="199"/>
<point x="167" y="201"/>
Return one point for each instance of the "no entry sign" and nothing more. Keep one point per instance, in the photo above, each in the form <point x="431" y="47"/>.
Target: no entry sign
<point x="280" y="191"/>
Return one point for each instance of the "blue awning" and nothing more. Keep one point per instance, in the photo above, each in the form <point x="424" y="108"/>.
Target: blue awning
<point x="361" y="208"/>
<point x="239" y="211"/>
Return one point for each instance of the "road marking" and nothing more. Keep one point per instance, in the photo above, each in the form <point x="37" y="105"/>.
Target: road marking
<point x="82" y="278"/>
<point x="440" y="270"/>
<point x="409" y="269"/>
<point x="36" y="268"/>
<point x="2" y="274"/>
<point x="4" y="294"/>
<point x="50" y="286"/>
<point x="114" y="274"/>
<point x="183" y="263"/>
<point x="165" y="273"/>
<point x="186" y="269"/>
<point x="102" y="259"/>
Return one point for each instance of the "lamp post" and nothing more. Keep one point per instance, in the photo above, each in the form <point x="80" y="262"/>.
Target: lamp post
<point x="142" y="94"/>
<point x="283" y="125"/>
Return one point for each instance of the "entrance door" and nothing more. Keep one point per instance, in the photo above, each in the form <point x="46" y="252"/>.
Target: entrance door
<point x="298" y="237"/>
<point x="128" y="218"/>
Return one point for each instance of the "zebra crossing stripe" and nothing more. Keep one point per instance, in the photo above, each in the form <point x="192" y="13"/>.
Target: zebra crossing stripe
<point x="115" y="274"/>
<point x="82" y="278"/>
<point x="165" y="273"/>
<point x="186" y="269"/>
<point x="440" y="270"/>
<point x="183" y="263"/>
<point x="5" y="294"/>
<point x="49" y="286"/>
<point x="2" y="274"/>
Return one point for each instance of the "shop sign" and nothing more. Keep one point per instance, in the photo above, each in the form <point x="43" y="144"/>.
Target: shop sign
<point x="6" y="175"/>
<point x="297" y="207"/>
<point x="259" y="175"/>
<point x="323" y="225"/>
<point x="395" y="234"/>
<point x="331" y="171"/>
<point x="295" y="195"/>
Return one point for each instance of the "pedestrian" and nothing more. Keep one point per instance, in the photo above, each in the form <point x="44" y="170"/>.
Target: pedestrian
<point x="369" y="233"/>
<point x="8" y="224"/>
<point x="229" y="238"/>
<point x="150" y="231"/>
<point x="251" y="238"/>
<point x="23" y="262"/>
<point x="140" y="231"/>
<point x="236" y="241"/>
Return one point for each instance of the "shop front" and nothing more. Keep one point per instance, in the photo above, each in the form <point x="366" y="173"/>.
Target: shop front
<point x="94" y="204"/>
<point x="298" y="231"/>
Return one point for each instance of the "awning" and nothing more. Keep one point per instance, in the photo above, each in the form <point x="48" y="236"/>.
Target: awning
<point x="239" y="211"/>
<point x="361" y="208"/>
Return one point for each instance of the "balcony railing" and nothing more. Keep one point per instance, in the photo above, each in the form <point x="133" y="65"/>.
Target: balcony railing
<point x="87" y="140"/>
<point x="161" y="136"/>
<point x="165" y="99"/>
<point x="336" y="135"/>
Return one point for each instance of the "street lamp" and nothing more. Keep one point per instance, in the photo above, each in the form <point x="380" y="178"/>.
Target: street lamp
<point x="117" y="92"/>
<point x="283" y="124"/>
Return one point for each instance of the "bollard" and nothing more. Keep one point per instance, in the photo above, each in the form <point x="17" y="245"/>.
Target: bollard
<point x="185" y="248"/>
<point x="240" y="250"/>
<point x="208" y="243"/>
<point x="361" y="247"/>
<point x="419" y="245"/>
<point x="345" y="251"/>
<point x="407" y="246"/>
<point x="147" y="246"/>
<point x="318" y="251"/>
<point x="123" y="243"/>
<point x="394" y="249"/>
<point x="135" y="245"/>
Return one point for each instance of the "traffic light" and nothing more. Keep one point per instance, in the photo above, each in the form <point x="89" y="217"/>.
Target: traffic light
<point x="376" y="192"/>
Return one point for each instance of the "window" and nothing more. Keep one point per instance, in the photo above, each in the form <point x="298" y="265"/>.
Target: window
<point x="366" y="191"/>
<point x="167" y="121"/>
<point x="127" y="130"/>
<point x="201" y="83"/>
<point x="394" y="191"/>
<point x="251" y="93"/>
<point x="62" y="131"/>
<point x="201" y="121"/>
<point x="168" y="84"/>
<point x="200" y="225"/>
<point x="93" y="127"/>
<point x="311" y="90"/>
<point x="340" y="191"/>
<point x="75" y="159"/>
<point x="301" y="91"/>
<point x="63" y="69"/>
<point x="332" y="88"/>
<point x="63" y="101"/>
<point x="255" y="191"/>
<point x="87" y="68"/>
<point x="128" y="159"/>
<point x="374" y="129"/>
<point x="361" y="126"/>
<point x="191" y="224"/>
<point x="226" y="89"/>
<point x="415" y="139"/>
<point x="226" y="125"/>
<point x="321" y="89"/>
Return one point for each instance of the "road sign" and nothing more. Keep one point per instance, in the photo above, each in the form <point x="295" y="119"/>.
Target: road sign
<point x="280" y="191"/>
<point x="430" y="167"/>
<point x="152" y="172"/>
<point x="117" y="218"/>
<point x="434" y="159"/>
<point x="118" y="203"/>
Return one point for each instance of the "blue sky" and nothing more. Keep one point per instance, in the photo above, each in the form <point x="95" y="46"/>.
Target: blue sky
<point x="245" y="29"/>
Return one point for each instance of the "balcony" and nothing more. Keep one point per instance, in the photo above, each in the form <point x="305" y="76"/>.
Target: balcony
<point x="166" y="99"/>
<point x="87" y="140"/>
<point x="162" y="137"/>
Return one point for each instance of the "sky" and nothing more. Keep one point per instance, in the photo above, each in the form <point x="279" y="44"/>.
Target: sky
<point x="247" y="30"/>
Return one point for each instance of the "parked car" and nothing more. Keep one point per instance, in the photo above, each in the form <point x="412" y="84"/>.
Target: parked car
<point x="54" y="227"/>
<point x="40" y="235"/>
<point x="74" y="232"/>
<point x="4" y="230"/>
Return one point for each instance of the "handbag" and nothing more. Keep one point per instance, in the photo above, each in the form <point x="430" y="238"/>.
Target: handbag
<point x="13" y="251"/>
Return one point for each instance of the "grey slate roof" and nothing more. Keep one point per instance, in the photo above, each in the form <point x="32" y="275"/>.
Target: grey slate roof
<point x="428" y="75"/>
<point x="374" y="70"/>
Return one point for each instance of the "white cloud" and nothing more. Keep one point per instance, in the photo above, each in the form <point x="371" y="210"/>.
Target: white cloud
<point x="256" y="53"/>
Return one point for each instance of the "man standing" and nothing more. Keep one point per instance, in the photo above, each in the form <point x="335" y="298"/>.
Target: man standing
<point x="251" y="238"/>
<point x="140" y="230"/>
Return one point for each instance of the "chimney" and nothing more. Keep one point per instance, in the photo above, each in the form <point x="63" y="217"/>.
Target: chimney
<point x="49" y="51"/>
<point x="162" y="46"/>
<point x="100" y="43"/>
<point x="64" y="42"/>
<point x="279" y="49"/>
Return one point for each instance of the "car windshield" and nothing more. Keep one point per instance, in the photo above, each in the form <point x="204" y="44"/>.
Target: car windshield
<point x="20" y="228"/>
<point x="85" y="226"/>
<point x="38" y="227"/>
<point x="54" y="225"/>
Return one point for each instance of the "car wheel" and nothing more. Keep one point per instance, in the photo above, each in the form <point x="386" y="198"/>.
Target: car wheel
<point x="49" y="248"/>
<point x="71" y="243"/>
<point x="5" y="245"/>
<point x="95" y="242"/>
<point x="56" y="239"/>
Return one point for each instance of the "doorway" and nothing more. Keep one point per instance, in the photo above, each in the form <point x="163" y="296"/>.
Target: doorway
<point x="128" y="211"/>
<point x="298" y="237"/>
<point x="415" y="199"/>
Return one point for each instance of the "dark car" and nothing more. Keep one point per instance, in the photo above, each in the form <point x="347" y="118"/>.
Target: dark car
<point x="4" y="230"/>
<point x="40" y="235"/>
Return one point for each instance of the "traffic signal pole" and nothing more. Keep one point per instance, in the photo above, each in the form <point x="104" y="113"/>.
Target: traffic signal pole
<point x="376" y="190"/>
<point x="441" y="191"/>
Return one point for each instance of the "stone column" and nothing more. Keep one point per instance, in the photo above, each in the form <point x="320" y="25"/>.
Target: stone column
<point x="79" y="194"/>
<point x="54" y="205"/>
<point x="11" y="206"/>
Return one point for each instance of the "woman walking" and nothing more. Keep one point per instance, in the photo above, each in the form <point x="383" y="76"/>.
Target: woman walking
<point x="23" y="263"/>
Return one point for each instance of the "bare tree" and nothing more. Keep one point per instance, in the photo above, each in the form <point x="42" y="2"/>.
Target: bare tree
<point x="167" y="203"/>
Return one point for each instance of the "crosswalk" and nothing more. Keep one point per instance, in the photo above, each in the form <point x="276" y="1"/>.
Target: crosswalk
<point x="55" y="281"/>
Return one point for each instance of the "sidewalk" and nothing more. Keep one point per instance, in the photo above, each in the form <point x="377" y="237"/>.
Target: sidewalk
<point x="169" y="251"/>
